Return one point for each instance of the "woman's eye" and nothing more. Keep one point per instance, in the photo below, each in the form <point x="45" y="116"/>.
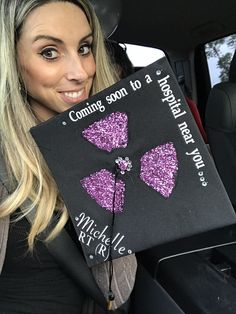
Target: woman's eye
<point x="49" y="53"/>
<point x="85" y="49"/>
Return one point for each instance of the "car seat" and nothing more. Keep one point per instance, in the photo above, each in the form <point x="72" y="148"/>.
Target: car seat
<point x="220" y="124"/>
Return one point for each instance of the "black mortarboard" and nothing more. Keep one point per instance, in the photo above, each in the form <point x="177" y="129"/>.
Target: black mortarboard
<point x="139" y="139"/>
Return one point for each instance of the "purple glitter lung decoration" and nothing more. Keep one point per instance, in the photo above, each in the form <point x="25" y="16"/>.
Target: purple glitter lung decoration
<point x="109" y="133"/>
<point x="159" y="167"/>
<point x="100" y="186"/>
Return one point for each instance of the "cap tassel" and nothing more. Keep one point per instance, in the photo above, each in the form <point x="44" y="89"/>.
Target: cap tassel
<point x="109" y="305"/>
<point x="111" y="296"/>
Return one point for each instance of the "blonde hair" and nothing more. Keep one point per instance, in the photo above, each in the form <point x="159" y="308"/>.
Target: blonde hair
<point x="32" y="185"/>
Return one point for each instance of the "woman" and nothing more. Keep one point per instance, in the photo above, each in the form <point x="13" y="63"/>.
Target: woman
<point x="52" y="56"/>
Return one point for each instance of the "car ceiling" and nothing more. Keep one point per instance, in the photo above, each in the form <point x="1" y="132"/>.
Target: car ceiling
<point x="175" y="25"/>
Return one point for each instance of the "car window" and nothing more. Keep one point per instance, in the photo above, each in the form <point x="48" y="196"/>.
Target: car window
<point x="141" y="56"/>
<point x="219" y="54"/>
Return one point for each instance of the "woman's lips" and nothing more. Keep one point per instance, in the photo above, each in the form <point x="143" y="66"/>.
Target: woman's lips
<point x="73" y="97"/>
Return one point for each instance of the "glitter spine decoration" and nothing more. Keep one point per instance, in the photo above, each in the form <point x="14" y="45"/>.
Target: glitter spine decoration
<point x="101" y="187"/>
<point x="159" y="167"/>
<point x="108" y="133"/>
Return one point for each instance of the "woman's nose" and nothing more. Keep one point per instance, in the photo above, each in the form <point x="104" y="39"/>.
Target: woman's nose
<point x="75" y="69"/>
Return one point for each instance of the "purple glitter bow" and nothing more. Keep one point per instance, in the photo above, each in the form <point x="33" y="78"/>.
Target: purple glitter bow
<point x="159" y="166"/>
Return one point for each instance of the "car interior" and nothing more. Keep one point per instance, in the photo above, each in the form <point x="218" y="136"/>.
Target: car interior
<point x="199" y="40"/>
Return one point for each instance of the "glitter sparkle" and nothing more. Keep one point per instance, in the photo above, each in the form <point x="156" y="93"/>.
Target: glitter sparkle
<point x="124" y="164"/>
<point x="109" y="133"/>
<point x="159" y="167"/>
<point x="100" y="186"/>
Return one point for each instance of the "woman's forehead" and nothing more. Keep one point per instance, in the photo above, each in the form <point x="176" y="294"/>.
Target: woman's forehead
<point x="53" y="17"/>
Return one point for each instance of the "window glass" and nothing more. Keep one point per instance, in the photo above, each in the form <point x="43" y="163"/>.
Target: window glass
<point x="141" y="56"/>
<point x="219" y="55"/>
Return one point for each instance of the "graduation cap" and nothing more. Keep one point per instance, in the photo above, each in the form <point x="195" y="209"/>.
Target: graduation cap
<point x="132" y="167"/>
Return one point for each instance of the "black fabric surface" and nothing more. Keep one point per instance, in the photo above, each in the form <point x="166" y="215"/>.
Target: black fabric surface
<point x="34" y="283"/>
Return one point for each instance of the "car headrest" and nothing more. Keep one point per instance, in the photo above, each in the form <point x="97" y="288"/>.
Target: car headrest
<point x="221" y="105"/>
<point x="220" y="123"/>
<point x="108" y="13"/>
<point x="232" y="69"/>
<point x="221" y="109"/>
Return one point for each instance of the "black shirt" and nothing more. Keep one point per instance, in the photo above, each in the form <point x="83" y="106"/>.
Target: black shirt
<point x="33" y="282"/>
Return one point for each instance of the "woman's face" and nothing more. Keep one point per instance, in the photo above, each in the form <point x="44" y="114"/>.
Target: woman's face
<point x="55" y="58"/>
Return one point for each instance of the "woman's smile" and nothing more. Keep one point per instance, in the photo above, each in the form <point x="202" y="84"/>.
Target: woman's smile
<point x="73" y="96"/>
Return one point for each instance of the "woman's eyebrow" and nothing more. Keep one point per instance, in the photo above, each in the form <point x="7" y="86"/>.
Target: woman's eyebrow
<point x="86" y="36"/>
<point x="57" y="40"/>
<point x="48" y="37"/>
